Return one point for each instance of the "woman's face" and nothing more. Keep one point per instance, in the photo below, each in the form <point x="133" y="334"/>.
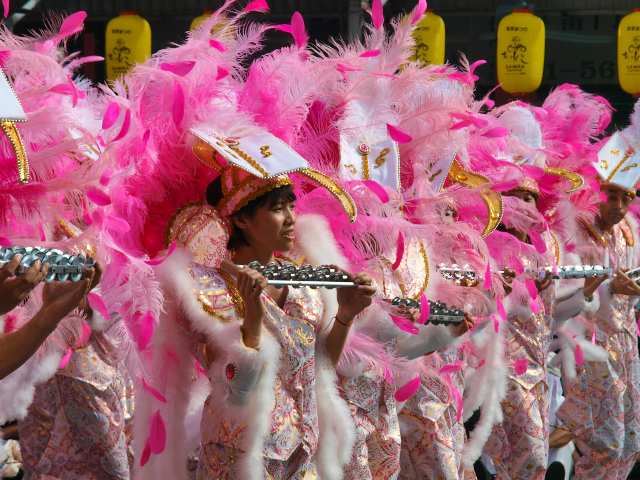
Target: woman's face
<point x="524" y="195"/>
<point x="271" y="227"/>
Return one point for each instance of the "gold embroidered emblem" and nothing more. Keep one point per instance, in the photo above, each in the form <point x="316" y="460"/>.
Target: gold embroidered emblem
<point x="615" y="152"/>
<point x="605" y="165"/>
<point x="264" y="150"/>
<point x="629" y="167"/>
<point x="352" y="168"/>
<point x="381" y="158"/>
<point x="365" y="150"/>
<point x="432" y="177"/>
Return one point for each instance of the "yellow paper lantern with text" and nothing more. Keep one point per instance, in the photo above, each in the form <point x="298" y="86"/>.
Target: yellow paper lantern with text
<point x="430" y="39"/>
<point x="629" y="53"/>
<point x="198" y="20"/>
<point x="128" y="41"/>
<point x="520" y="53"/>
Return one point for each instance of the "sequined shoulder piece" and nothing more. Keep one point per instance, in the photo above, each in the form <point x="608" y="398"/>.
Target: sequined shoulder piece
<point x="216" y="292"/>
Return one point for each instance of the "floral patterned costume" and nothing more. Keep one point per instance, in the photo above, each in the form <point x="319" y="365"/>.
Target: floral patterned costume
<point x="79" y="424"/>
<point x="602" y="406"/>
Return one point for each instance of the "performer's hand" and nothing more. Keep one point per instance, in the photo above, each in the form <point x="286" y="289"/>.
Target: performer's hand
<point x="353" y="300"/>
<point x="507" y="280"/>
<point x="59" y="299"/>
<point x="250" y="286"/>
<point x="96" y="275"/>
<point x="414" y="313"/>
<point x="591" y="284"/>
<point x="15" y="290"/>
<point x="623" y="285"/>
<point x="545" y="283"/>
<point x="467" y="323"/>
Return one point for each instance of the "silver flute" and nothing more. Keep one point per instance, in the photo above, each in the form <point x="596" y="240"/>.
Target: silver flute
<point x="62" y="266"/>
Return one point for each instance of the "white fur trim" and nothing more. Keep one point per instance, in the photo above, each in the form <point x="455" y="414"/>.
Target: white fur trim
<point x="337" y="429"/>
<point x="18" y="388"/>
<point x="485" y="388"/>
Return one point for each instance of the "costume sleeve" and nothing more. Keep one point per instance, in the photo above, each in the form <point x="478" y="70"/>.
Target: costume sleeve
<point x="429" y="339"/>
<point x="573" y="305"/>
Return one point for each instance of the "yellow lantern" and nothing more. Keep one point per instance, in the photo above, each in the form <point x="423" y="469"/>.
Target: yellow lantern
<point x="198" y="20"/>
<point x="128" y="42"/>
<point x="629" y="53"/>
<point x="430" y="39"/>
<point x="520" y="60"/>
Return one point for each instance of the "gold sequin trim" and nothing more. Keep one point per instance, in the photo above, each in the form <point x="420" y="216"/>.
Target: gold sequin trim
<point x="628" y="234"/>
<point x="15" y="139"/>
<point x="212" y="312"/>
<point x="251" y="161"/>
<point x="234" y="291"/>
<point x="555" y="240"/>
<point x="276" y="183"/>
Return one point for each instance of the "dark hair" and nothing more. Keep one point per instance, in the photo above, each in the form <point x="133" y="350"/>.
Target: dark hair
<point x="272" y="197"/>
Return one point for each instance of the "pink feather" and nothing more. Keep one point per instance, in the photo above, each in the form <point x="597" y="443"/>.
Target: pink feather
<point x="500" y="308"/>
<point x="504" y="187"/>
<point x="408" y="389"/>
<point x="147" y="324"/>
<point x="376" y="14"/>
<point x="177" y="111"/>
<point x="370" y="53"/>
<point x="298" y="30"/>
<point x="125" y="125"/>
<point x="96" y="303"/>
<point x="405" y="325"/>
<point x="496" y="132"/>
<point x="116" y="223"/>
<point x="145" y="140"/>
<point x="378" y="189"/>
<point x="169" y="252"/>
<point x="4" y="56"/>
<point x="425" y="309"/>
<point x="456" y="396"/>
<point x="256" y="6"/>
<point x="43" y="236"/>
<point x="99" y="197"/>
<point x="71" y="25"/>
<point x="64" y="361"/>
<point x="105" y="178"/>
<point x="178" y="68"/>
<point x="146" y="454"/>
<point x="487" y="278"/>
<point x="496" y="323"/>
<point x="399" y="251"/>
<point x="603" y="197"/>
<point x="218" y="45"/>
<point x="531" y="288"/>
<point x="152" y="390"/>
<point x="533" y="305"/>
<point x="5" y="3"/>
<point x="110" y="116"/>
<point x="595" y="186"/>
<point x="85" y="333"/>
<point x="199" y="369"/>
<point x="520" y="366"/>
<point x="419" y="11"/>
<point x="388" y="75"/>
<point x="222" y="73"/>
<point x="397" y="135"/>
<point x="157" y="434"/>
<point x="533" y="171"/>
<point x="579" y="355"/>
<point x="284" y="28"/>
<point x="593" y="336"/>
<point x="537" y="241"/>
<point x="482" y="362"/>
<point x="5" y="242"/>
<point x="455" y="367"/>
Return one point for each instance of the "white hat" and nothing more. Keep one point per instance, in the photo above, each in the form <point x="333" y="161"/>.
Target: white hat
<point x="619" y="163"/>
<point x="362" y="160"/>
